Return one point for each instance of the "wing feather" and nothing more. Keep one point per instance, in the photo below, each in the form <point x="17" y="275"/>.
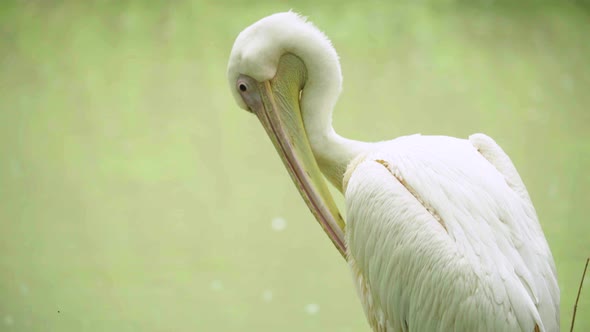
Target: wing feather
<point x="544" y="285"/>
<point x="481" y="271"/>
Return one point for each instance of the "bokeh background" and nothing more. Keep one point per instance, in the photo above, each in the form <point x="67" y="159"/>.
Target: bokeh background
<point x="136" y="196"/>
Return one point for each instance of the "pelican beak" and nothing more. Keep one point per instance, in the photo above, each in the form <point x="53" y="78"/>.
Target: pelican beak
<point x="276" y="104"/>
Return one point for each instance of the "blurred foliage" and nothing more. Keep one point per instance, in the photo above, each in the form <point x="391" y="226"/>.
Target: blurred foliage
<point x="135" y="195"/>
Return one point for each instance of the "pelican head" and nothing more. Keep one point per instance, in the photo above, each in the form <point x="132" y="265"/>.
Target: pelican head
<point x="286" y="72"/>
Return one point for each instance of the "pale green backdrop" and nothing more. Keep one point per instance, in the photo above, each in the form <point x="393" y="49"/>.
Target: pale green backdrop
<point x="135" y="195"/>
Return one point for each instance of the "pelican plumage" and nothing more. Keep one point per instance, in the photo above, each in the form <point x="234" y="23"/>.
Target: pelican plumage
<point x="441" y="234"/>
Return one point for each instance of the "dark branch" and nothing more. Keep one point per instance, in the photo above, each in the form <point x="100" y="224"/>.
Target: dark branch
<point x="578" y="297"/>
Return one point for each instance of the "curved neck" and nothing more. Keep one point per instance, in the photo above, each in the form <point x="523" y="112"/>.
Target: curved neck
<point x="318" y="99"/>
<point x="289" y="33"/>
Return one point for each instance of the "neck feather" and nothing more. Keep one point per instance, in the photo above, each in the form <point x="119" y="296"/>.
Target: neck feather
<point x="318" y="99"/>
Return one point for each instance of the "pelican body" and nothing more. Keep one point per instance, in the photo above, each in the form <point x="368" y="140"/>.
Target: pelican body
<point x="441" y="234"/>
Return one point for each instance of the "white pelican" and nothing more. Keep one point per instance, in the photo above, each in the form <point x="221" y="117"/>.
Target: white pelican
<point x="441" y="234"/>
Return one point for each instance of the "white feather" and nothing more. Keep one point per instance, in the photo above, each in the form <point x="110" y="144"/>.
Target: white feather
<point x="486" y="265"/>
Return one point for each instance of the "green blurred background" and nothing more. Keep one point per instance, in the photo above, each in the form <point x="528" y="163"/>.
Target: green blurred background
<point x="136" y="196"/>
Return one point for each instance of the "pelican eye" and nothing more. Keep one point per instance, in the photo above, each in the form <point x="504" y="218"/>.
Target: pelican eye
<point x="242" y="87"/>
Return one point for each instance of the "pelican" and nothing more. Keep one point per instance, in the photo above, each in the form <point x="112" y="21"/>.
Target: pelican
<point x="441" y="234"/>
